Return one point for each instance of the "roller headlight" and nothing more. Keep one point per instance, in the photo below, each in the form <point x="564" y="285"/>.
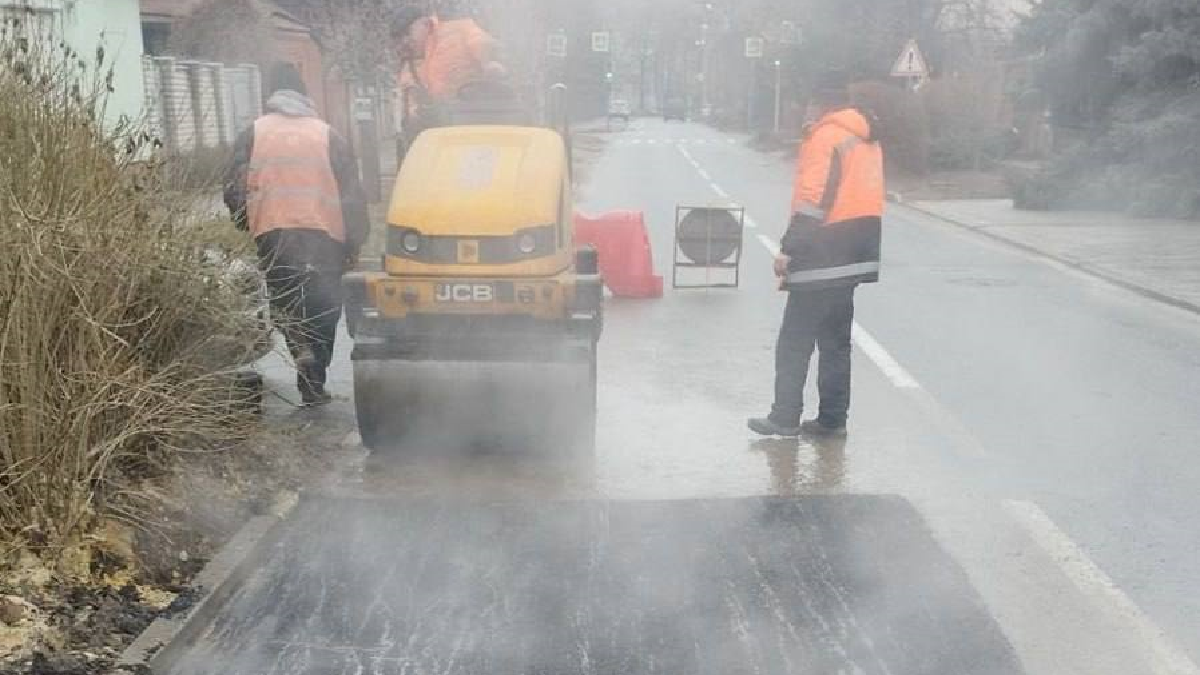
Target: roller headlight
<point x="411" y="242"/>
<point x="527" y="244"/>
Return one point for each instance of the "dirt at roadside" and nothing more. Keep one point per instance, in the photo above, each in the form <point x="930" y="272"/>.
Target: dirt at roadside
<point x="78" y="612"/>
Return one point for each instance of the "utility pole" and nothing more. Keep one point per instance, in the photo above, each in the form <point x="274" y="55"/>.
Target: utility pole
<point x="778" y="95"/>
<point x="704" y="66"/>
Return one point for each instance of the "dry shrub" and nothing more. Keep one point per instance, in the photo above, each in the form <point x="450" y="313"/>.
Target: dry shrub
<point x="118" y="327"/>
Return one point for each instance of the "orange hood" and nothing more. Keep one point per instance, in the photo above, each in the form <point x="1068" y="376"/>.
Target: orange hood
<point x="849" y="119"/>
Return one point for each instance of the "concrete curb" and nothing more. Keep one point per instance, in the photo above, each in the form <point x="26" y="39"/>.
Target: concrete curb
<point x="159" y="647"/>
<point x="1108" y="277"/>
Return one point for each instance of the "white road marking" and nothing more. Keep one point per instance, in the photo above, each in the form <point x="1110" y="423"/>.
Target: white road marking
<point x="636" y="141"/>
<point x="900" y="378"/>
<point x="705" y="176"/>
<point x="652" y="141"/>
<point x="1166" y="657"/>
<point x="720" y="192"/>
<point x="769" y="243"/>
<point x="750" y="222"/>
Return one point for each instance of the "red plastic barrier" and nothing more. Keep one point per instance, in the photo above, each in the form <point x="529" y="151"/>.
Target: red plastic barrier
<point x="621" y="239"/>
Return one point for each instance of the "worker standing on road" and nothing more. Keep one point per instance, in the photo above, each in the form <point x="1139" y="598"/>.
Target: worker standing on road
<point x="832" y="244"/>
<point x="294" y="186"/>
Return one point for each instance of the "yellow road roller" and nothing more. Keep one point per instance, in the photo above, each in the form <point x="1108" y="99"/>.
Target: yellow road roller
<point x="481" y="328"/>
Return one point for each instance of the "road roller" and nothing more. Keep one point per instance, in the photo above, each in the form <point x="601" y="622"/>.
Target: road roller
<point x="481" y="326"/>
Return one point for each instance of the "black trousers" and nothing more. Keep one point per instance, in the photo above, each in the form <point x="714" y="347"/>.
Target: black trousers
<point x="823" y="319"/>
<point x="304" y="277"/>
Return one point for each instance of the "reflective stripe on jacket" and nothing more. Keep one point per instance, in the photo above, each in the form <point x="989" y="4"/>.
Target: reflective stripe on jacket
<point x="835" y="234"/>
<point x="290" y="181"/>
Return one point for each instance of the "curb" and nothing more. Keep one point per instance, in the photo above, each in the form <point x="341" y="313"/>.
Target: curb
<point x="1144" y="291"/>
<point x="159" y="647"/>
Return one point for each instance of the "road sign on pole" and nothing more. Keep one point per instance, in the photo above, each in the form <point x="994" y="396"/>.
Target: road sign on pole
<point x="911" y="63"/>
<point x="755" y="47"/>
<point x="600" y="42"/>
<point x="556" y="45"/>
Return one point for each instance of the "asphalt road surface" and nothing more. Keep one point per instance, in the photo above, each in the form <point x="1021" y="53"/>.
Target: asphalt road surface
<point x="1018" y="492"/>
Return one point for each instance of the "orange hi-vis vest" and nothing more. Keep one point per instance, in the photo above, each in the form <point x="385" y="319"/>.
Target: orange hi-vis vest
<point x="840" y="173"/>
<point x="291" y="184"/>
<point x="454" y="57"/>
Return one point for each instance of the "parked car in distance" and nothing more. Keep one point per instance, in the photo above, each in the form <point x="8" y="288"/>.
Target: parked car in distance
<point x="620" y="109"/>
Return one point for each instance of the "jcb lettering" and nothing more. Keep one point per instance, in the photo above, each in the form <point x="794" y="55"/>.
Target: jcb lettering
<point x="465" y="293"/>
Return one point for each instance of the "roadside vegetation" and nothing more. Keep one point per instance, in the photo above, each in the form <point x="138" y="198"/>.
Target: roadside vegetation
<point x="124" y="458"/>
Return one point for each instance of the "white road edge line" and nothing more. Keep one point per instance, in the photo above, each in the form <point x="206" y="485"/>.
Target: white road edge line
<point x="1167" y="658"/>
<point x="749" y="222"/>
<point x="892" y="369"/>
<point x="769" y="243"/>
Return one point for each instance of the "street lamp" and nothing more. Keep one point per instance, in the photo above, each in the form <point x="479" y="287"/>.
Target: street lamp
<point x="778" y="92"/>
<point x="704" y="64"/>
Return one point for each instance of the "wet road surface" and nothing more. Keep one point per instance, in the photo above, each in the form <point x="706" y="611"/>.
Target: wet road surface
<point x="804" y="585"/>
<point x="1038" y="425"/>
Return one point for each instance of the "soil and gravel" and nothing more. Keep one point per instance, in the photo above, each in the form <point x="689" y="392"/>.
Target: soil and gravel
<point x="76" y="610"/>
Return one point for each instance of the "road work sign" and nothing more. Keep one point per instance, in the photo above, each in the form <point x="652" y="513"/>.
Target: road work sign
<point x="556" y="45"/>
<point x="911" y="62"/>
<point x="600" y="42"/>
<point x="755" y="47"/>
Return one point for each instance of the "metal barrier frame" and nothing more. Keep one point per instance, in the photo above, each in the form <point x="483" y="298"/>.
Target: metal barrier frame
<point x="739" y="213"/>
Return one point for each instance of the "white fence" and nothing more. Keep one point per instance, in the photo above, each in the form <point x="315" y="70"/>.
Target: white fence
<point x="193" y="105"/>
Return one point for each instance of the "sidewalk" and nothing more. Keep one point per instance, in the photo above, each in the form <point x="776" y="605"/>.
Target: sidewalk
<point x="1157" y="258"/>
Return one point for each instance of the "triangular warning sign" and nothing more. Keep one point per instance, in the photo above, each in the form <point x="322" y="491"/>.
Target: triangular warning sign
<point x="911" y="63"/>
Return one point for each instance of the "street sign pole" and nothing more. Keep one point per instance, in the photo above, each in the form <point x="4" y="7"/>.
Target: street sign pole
<point x="755" y="48"/>
<point x="778" y="96"/>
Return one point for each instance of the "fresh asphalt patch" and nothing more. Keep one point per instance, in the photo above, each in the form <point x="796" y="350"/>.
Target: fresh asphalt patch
<point x="816" y="584"/>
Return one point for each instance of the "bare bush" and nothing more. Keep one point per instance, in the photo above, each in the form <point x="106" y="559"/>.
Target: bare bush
<point x="118" y="328"/>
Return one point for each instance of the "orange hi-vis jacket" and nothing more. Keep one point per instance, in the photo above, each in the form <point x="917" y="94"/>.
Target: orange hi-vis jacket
<point x="836" y="231"/>
<point x="455" y="55"/>
<point x="290" y="181"/>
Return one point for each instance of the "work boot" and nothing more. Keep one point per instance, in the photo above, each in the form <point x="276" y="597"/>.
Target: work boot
<point x="305" y="359"/>
<point x="312" y="389"/>
<point x="818" y="429"/>
<point x="765" y="426"/>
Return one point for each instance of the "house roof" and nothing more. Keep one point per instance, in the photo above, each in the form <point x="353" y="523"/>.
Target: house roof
<point x="166" y="11"/>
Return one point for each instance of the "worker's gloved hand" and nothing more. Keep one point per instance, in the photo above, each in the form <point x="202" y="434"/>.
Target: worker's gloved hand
<point x="781" y="265"/>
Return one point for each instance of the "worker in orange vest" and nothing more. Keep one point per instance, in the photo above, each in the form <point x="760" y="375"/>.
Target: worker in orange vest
<point x="445" y="52"/>
<point x="831" y="246"/>
<point x="294" y="185"/>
